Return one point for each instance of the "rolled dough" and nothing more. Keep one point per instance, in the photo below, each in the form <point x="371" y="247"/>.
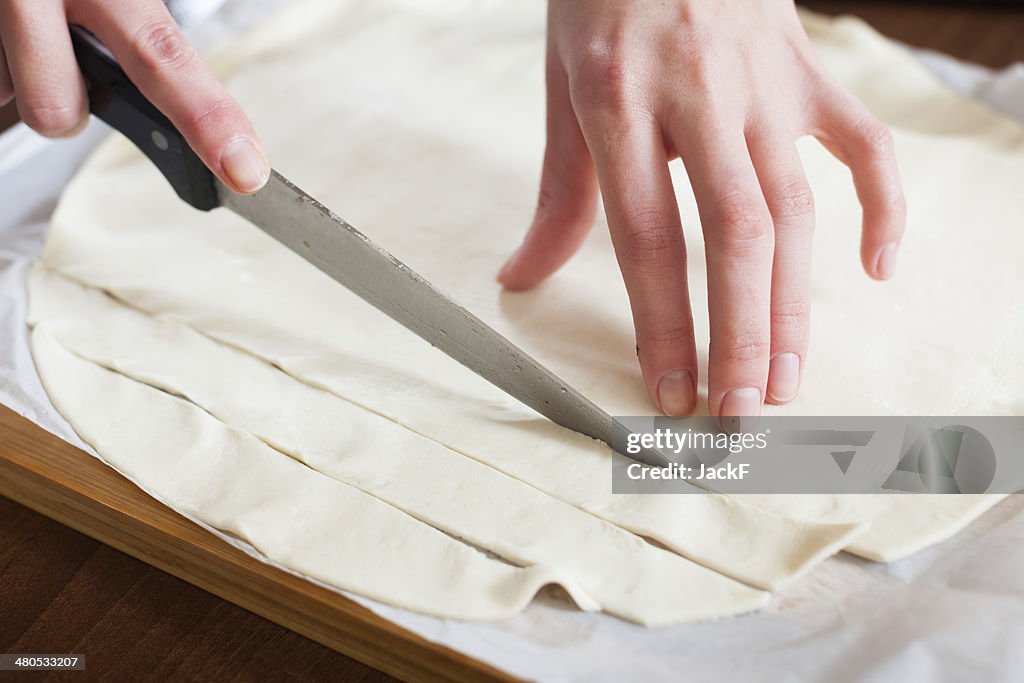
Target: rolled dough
<point x="294" y="515"/>
<point x="617" y="571"/>
<point x="434" y="152"/>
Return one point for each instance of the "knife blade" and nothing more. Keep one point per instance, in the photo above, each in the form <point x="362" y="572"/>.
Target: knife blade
<point x="330" y="244"/>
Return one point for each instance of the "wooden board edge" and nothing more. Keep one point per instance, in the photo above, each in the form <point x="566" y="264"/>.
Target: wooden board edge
<point x="48" y="475"/>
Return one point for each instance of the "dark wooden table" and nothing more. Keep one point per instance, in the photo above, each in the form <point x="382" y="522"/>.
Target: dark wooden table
<point x="986" y="32"/>
<point x="63" y="592"/>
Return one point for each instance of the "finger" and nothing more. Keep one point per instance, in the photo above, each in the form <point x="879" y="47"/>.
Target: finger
<point x="6" y="85"/>
<point x="568" y="193"/>
<point x="738" y="242"/>
<point x="162" y="64"/>
<point x="865" y="145"/>
<point x="643" y="215"/>
<point x="44" y="73"/>
<point x="791" y="205"/>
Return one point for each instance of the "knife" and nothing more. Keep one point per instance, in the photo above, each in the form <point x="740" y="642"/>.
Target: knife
<point x="315" y="233"/>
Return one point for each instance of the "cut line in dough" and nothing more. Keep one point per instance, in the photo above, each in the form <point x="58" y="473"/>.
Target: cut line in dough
<point x="619" y="572"/>
<point x="306" y="521"/>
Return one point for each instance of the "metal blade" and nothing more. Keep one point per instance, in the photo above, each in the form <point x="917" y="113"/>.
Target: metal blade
<point x="308" y="228"/>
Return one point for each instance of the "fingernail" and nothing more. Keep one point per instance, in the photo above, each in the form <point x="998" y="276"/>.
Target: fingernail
<point x="676" y="394"/>
<point x="245" y="164"/>
<point x="784" y="377"/>
<point x="740" y="409"/>
<point x="886" y="266"/>
<point x="742" y="403"/>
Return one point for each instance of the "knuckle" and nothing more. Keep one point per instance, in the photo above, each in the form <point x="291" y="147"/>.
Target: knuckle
<point x="790" y="317"/>
<point x="699" y="60"/>
<point x="566" y="186"/>
<point x="603" y="77"/>
<point x="160" y="46"/>
<point x="791" y="202"/>
<point x="875" y="137"/>
<point x="212" y="117"/>
<point x="548" y="202"/>
<point x="670" y="336"/>
<point x="556" y="207"/>
<point x="650" y="240"/>
<point x="744" y="348"/>
<point x="739" y="221"/>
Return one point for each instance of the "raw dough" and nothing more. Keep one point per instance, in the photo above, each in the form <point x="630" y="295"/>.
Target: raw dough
<point x="619" y="572"/>
<point x="308" y="522"/>
<point x="294" y="417"/>
<point x="434" y="152"/>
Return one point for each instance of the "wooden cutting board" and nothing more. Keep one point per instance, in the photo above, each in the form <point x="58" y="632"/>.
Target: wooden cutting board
<point x="66" y="484"/>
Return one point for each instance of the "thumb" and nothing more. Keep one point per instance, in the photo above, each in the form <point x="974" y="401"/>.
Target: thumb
<point x="568" y="195"/>
<point x="167" y="69"/>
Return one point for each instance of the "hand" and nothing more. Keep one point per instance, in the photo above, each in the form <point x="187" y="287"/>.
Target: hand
<point x="37" y="64"/>
<point x="728" y="86"/>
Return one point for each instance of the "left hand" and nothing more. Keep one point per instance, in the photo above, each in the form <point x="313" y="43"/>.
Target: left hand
<point x="729" y="86"/>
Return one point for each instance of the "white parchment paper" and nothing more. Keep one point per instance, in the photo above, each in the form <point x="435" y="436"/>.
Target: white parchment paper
<point x="954" y="612"/>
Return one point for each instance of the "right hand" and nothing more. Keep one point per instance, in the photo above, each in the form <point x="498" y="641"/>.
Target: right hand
<point x="38" y="67"/>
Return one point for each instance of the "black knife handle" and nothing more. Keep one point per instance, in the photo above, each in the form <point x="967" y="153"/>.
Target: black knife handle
<point x="115" y="99"/>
